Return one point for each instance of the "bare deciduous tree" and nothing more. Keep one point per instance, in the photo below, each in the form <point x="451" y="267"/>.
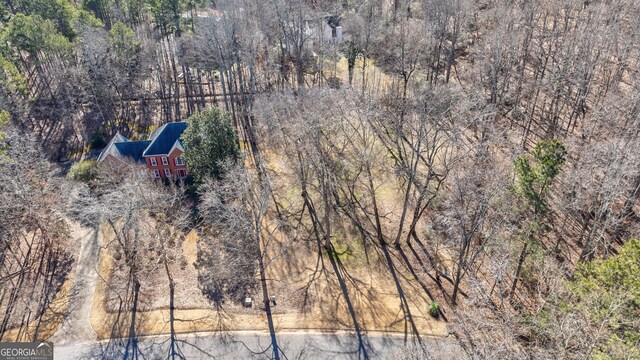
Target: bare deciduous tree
<point x="236" y="208"/>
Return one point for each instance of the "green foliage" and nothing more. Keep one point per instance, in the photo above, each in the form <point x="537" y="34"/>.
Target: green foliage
<point x="600" y="307"/>
<point x="11" y="80"/>
<point x="85" y="19"/>
<point x="84" y="171"/>
<point x="342" y="251"/>
<point x="616" y="348"/>
<point x="133" y="10"/>
<point x="534" y="176"/>
<point x="434" y="309"/>
<point x="122" y="40"/>
<point x="352" y="55"/>
<point x="208" y="141"/>
<point x="612" y="277"/>
<point x="4" y="13"/>
<point x="97" y="141"/>
<point x="167" y="14"/>
<point x="609" y="291"/>
<point x="550" y="155"/>
<point x="33" y="34"/>
<point x="59" y="12"/>
<point x="100" y="8"/>
<point x="4" y="121"/>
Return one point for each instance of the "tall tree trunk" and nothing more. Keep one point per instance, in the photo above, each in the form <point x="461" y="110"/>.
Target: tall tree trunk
<point x="523" y="255"/>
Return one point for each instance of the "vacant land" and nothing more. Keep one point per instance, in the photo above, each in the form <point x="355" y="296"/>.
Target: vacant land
<point x="303" y="303"/>
<point x="428" y="168"/>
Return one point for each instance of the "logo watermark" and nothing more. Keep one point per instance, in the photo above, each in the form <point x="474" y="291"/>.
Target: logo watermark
<point x="26" y="350"/>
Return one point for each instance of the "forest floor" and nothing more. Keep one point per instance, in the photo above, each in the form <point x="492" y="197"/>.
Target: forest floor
<point x="375" y="301"/>
<point x="308" y="294"/>
<point x="62" y="310"/>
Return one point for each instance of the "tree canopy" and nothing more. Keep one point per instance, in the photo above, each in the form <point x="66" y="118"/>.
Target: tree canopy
<point x="602" y="302"/>
<point x="209" y="141"/>
<point x="32" y="33"/>
<point x="535" y="175"/>
<point x="608" y="291"/>
<point x="442" y="169"/>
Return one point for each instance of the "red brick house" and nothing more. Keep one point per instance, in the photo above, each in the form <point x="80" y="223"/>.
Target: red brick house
<point x="161" y="154"/>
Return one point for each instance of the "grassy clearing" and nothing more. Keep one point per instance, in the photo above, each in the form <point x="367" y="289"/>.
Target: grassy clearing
<point x="374" y="76"/>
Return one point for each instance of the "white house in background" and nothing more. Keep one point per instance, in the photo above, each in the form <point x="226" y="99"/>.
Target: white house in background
<point x="323" y="28"/>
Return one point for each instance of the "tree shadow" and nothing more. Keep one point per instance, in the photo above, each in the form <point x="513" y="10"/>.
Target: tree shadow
<point x="338" y="270"/>
<point x="33" y="293"/>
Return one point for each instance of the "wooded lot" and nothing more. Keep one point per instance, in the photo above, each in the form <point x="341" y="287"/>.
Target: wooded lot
<point x="467" y="170"/>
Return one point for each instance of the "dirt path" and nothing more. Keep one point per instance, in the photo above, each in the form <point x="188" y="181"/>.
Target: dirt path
<point x="77" y="324"/>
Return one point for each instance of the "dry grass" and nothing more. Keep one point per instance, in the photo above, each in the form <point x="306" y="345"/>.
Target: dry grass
<point x="308" y="296"/>
<point x="375" y="300"/>
<point x="375" y="78"/>
<point x="51" y="319"/>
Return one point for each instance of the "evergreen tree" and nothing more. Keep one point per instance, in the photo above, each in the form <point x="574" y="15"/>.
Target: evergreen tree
<point x="209" y="141"/>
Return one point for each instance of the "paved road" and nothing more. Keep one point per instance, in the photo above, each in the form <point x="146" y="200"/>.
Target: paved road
<point x="77" y="324"/>
<point x="256" y="346"/>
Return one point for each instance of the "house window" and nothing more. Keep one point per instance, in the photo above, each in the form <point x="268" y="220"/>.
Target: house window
<point x="167" y="173"/>
<point x="156" y="173"/>
<point x="164" y="161"/>
<point x="179" y="161"/>
<point x="153" y="161"/>
<point x="181" y="173"/>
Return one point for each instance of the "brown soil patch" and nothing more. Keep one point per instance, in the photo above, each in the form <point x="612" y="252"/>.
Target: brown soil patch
<point x="49" y="322"/>
<point x="375" y="300"/>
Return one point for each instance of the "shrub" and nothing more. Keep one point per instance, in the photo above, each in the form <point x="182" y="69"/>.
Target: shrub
<point x="434" y="309"/>
<point x="84" y="171"/>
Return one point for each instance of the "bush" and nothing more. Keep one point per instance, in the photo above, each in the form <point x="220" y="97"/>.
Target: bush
<point x="434" y="310"/>
<point x="84" y="171"/>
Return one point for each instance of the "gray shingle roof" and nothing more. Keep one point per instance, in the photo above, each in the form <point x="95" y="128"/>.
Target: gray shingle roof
<point x="133" y="149"/>
<point x="160" y="142"/>
<point x="111" y="149"/>
<point x="164" y="137"/>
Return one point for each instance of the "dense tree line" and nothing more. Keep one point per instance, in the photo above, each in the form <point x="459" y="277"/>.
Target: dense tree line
<point x="34" y="238"/>
<point x="506" y="132"/>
